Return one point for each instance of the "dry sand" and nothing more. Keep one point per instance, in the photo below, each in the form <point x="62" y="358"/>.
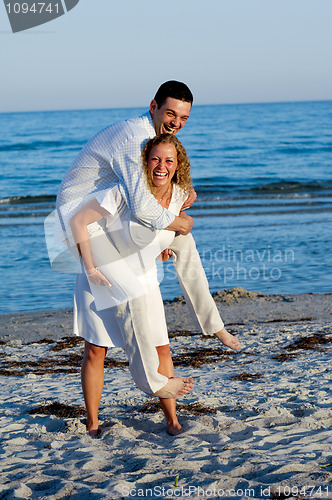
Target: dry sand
<point x="257" y="425"/>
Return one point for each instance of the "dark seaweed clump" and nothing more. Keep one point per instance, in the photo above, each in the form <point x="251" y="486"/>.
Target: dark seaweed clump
<point x="195" y="408"/>
<point x="201" y="356"/>
<point x="305" y="343"/>
<point x="57" y="409"/>
<point x="311" y="342"/>
<point x="245" y="376"/>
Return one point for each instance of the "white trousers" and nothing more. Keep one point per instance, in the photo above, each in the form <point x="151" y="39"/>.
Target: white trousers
<point x="131" y="318"/>
<point x="195" y="286"/>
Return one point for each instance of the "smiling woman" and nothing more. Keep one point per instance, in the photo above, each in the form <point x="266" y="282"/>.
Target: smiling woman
<point x="119" y="271"/>
<point x="165" y="161"/>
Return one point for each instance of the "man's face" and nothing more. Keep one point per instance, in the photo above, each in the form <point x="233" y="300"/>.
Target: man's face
<point x="171" y="116"/>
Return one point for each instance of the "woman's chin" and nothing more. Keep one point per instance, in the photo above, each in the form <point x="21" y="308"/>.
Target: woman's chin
<point x="160" y="183"/>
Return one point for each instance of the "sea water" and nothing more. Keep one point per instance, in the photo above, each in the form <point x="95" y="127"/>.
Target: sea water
<point x="262" y="218"/>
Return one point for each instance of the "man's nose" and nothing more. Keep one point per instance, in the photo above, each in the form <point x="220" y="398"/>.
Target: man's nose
<point x="176" y="122"/>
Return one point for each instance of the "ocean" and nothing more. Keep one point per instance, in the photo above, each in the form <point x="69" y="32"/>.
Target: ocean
<point x="262" y="172"/>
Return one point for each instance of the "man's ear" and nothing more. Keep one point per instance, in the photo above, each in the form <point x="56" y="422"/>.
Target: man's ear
<point x="153" y="106"/>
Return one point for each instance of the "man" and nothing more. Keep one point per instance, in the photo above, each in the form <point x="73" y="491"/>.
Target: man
<point x="113" y="157"/>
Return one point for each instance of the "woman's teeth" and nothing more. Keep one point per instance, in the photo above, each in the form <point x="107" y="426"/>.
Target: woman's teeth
<point x="160" y="174"/>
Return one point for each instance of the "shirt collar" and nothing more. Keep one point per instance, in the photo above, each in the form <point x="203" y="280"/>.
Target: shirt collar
<point x="149" y="123"/>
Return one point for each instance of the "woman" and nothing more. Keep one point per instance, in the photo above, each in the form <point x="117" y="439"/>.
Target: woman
<point x="126" y="277"/>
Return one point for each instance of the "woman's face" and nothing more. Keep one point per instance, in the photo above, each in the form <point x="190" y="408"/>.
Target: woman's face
<point x="162" y="164"/>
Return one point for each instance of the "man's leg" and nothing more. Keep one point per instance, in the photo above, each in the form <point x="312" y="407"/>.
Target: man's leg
<point x="195" y="287"/>
<point x="133" y="321"/>
<point x="92" y="377"/>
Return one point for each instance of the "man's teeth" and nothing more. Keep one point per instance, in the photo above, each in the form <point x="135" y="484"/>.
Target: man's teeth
<point x="169" y="129"/>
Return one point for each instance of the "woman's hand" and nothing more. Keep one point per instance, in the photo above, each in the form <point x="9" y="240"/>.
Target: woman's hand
<point x="97" y="277"/>
<point x="190" y="200"/>
<point x="182" y="224"/>
<point x="165" y="255"/>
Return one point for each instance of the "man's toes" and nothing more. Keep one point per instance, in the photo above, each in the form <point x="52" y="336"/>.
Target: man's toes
<point x="188" y="387"/>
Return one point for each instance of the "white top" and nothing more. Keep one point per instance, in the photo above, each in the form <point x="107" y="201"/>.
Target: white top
<point x="132" y="270"/>
<point x="129" y="235"/>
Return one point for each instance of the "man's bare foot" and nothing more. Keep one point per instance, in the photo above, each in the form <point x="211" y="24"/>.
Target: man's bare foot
<point x="175" y="387"/>
<point x="228" y="339"/>
<point x="174" y="428"/>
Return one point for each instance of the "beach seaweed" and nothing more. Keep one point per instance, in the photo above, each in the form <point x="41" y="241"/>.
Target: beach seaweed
<point x="305" y="343"/>
<point x="195" y="408"/>
<point x="181" y="333"/>
<point x="309" y="342"/>
<point x="246" y="377"/>
<point x="285" y="356"/>
<point x="113" y="363"/>
<point x="67" y="342"/>
<point x="200" y="356"/>
<point x="43" y="366"/>
<point x="57" y="409"/>
<point x="44" y="341"/>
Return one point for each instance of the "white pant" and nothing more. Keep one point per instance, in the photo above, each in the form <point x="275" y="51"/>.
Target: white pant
<point x="131" y="318"/>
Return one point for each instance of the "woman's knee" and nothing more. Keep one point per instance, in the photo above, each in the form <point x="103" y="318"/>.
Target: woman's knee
<point x="94" y="352"/>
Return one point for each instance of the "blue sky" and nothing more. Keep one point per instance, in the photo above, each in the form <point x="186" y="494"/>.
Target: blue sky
<point x="106" y="54"/>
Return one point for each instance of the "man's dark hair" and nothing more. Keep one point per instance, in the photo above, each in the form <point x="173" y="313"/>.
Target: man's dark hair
<point x="174" y="89"/>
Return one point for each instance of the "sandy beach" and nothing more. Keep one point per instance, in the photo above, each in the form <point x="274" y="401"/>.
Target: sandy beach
<point x="258" y="423"/>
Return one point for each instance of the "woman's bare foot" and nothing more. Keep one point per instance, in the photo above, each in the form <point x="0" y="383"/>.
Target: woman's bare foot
<point x="93" y="429"/>
<point x="175" y="387"/>
<point x="95" y="433"/>
<point x="174" y="428"/>
<point x="228" y="339"/>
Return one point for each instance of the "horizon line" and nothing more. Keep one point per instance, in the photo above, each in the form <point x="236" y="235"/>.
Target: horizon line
<point x="293" y="101"/>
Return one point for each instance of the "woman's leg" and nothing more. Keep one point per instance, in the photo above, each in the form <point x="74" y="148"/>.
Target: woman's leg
<point x="92" y="377"/>
<point x="168" y="405"/>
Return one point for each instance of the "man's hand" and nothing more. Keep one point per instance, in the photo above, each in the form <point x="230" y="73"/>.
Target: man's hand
<point x="182" y="224"/>
<point x="190" y="200"/>
<point x="165" y="255"/>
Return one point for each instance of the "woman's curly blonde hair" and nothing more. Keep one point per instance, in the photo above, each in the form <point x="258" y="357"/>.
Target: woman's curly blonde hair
<point x="182" y="175"/>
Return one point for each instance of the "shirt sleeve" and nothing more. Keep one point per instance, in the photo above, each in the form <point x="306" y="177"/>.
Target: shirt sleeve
<point x="110" y="199"/>
<point x="127" y="165"/>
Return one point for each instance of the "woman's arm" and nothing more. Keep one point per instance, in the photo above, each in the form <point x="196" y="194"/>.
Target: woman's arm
<point x="91" y="212"/>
